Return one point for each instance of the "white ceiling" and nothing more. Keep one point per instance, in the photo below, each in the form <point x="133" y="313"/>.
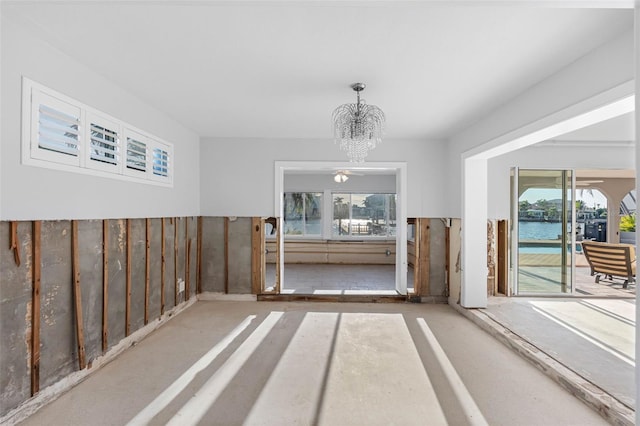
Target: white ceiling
<point x="277" y="69"/>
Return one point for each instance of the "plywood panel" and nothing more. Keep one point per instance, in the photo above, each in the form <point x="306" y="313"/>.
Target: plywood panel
<point x="117" y="296"/>
<point x="239" y="247"/>
<point x="212" y="263"/>
<point x="15" y="316"/>
<point x="58" y="351"/>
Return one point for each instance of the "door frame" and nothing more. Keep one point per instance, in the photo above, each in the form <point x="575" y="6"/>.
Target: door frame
<point x="400" y="169"/>
<point x="514" y="234"/>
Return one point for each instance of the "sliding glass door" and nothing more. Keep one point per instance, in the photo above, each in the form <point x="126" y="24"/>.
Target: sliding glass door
<point x="542" y="241"/>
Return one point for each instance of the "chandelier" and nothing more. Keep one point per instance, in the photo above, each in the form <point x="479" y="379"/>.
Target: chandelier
<point x="358" y="127"/>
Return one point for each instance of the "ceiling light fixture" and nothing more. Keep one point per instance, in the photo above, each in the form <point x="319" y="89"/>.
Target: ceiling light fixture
<point x="358" y="127"/>
<point x="340" y="177"/>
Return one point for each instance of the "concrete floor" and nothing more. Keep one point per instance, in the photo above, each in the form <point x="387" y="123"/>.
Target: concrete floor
<point x="594" y="337"/>
<point x="380" y="279"/>
<point x="317" y="363"/>
<point x="336" y="279"/>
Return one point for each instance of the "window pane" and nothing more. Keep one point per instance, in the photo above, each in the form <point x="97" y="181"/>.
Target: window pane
<point x="313" y="214"/>
<point x="160" y="162"/>
<point x="58" y="131"/>
<point x="341" y="206"/>
<point x="392" y="214"/>
<point x="361" y="213"/>
<point x="293" y="213"/>
<point x="377" y="209"/>
<point x="104" y="144"/>
<point x="136" y="155"/>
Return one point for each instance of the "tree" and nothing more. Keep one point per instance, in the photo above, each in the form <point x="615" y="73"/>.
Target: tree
<point x="628" y="223"/>
<point x="340" y="211"/>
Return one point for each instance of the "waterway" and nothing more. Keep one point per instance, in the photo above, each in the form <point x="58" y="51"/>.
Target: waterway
<point x="539" y="230"/>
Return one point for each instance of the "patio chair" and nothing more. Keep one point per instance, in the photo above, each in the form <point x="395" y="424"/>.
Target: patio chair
<point x="611" y="260"/>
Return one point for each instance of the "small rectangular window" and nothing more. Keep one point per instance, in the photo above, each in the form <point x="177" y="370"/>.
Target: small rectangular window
<point x="55" y="128"/>
<point x="160" y="162"/>
<point x="136" y="154"/>
<point x="104" y="144"/>
<point x="61" y="133"/>
<point x="58" y="131"/>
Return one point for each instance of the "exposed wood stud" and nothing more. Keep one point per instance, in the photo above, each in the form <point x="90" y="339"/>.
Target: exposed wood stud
<point x="105" y="284"/>
<point x="77" y="295"/>
<point x="425" y="254"/>
<point x="503" y="257"/>
<point x="35" y="309"/>
<point x="278" y="254"/>
<point x="13" y="245"/>
<point x="127" y="310"/>
<point x="257" y="255"/>
<point x="175" y="262"/>
<point x="188" y="271"/>
<point x="226" y="255"/>
<point x="447" y="262"/>
<point x="164" y="267"/>
<point x="187" y="250"/>
<point x="199" y="257"/>
<point x="416" y="260"/>
<point x="147" y="270"/>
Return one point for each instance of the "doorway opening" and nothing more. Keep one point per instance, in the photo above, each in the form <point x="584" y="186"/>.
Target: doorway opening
<point x="341" y="236"/>
<point x="543" y="233"/>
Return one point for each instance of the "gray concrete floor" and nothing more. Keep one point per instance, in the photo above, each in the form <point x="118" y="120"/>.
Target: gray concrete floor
<point x="317" y="363"/>
<point x="594" y="337"/>
<point x="336" y="279"/>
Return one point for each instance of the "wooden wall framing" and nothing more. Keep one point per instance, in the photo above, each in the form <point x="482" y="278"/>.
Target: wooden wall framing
<point x="94" y="328"/>
<point x="257" y="255"/>
<point x="35" y="308"/>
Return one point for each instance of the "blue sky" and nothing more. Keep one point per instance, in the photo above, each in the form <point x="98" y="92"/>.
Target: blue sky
<point x="534" y="194"/>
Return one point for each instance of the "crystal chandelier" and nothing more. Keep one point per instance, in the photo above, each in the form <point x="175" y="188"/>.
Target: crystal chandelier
<point x="358" y="127"/>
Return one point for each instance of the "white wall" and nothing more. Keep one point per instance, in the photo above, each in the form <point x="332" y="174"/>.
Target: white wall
<point x="355" y="183"/>
<point x="607" y="67"/>
<point x="238" y="175"/>
<point x="28" y="192"/>
<point x="550" y="157"/>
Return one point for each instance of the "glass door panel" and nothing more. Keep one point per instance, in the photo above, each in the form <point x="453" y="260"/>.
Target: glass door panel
<point x="543" y="231"/>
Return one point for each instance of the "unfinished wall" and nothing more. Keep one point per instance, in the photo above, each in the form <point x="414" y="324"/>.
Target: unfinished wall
<point x="213" y="255"/>
<point x="226" y="255"/>
<point x="133" y="287"/>
<point x="15" y="317"/>
<point x="437" y="258"/>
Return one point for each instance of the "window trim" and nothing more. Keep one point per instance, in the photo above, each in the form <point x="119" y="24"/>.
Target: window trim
<point x="350" y="236"/>
<point x="97" y="119"/>
<point x="62" y="106"/>
<point x="33" y="155"/>
<point x="304" y="235"/>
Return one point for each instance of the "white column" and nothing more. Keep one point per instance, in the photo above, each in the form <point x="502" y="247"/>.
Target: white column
<point x="637" y="121"/>
<point x="474" y="233"/>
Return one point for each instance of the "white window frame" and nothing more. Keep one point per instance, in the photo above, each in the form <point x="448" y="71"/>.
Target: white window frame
<point x="139" y="138"/>
<point x="33" y="94"/>
<point x="304" y="235"/>
<point x="350" y="236"/>
<point x="94" y="118"/>
<point x="53" y="102"/>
